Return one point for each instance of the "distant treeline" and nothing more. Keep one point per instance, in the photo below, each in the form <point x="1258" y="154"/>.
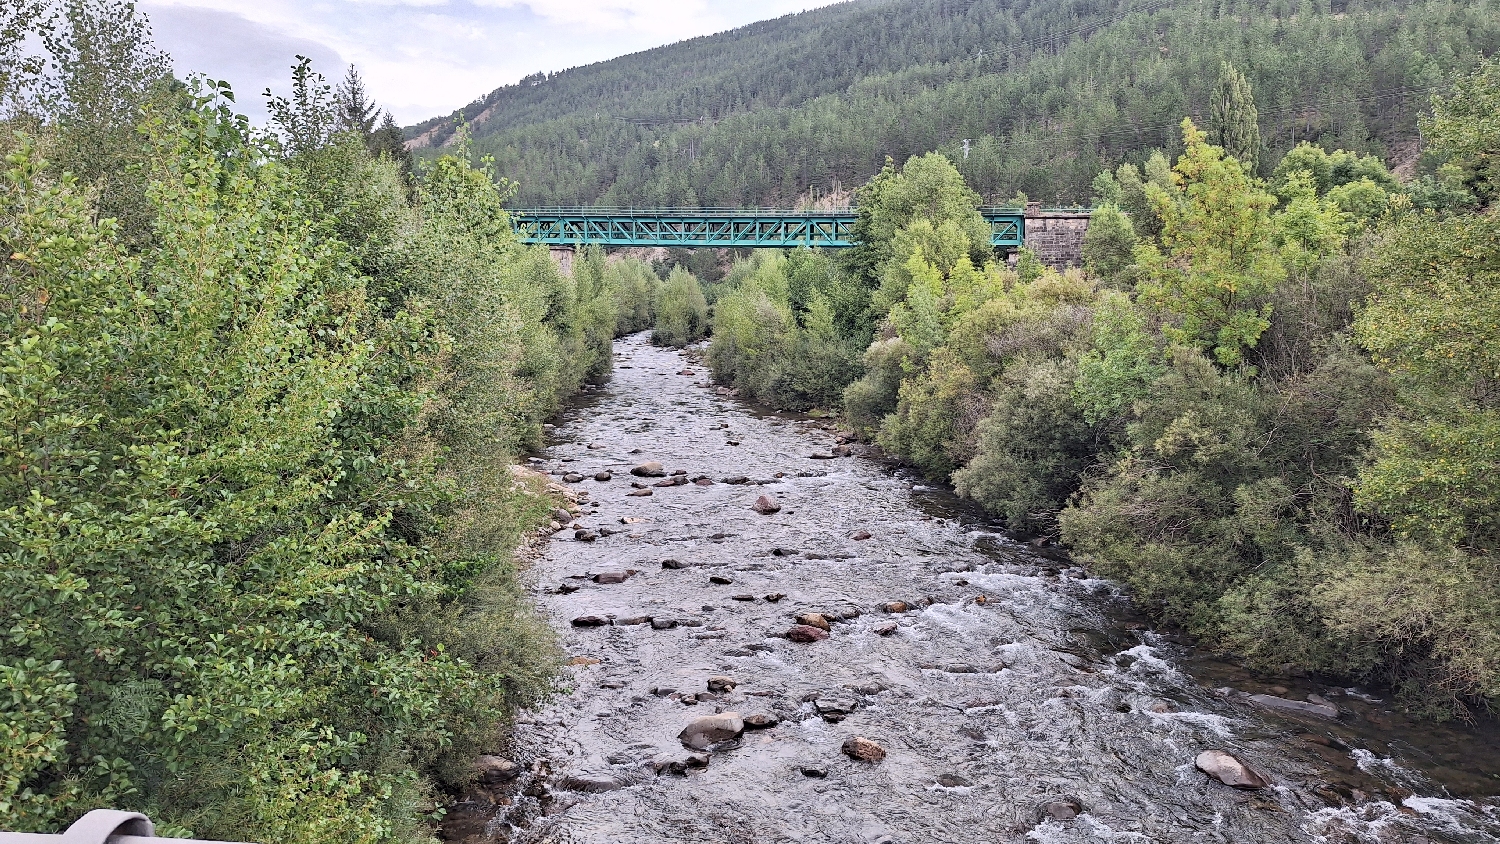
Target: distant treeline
<point x="1047" y="92"/>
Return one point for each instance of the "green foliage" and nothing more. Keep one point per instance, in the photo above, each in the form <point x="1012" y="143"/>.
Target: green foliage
<point x="1109" y="245"/>
<point x="256" y="507"/>
<point x="1031" y="449"/>
<point x="925" y="204"/>
<point x="681" y="311"/>
<point x="633" y="286"/>
<point x="1218" y="271"/>
<point x="1233" y="120"/>
<point x="1464" y="128"/>
<point x="789" y="330"/>
<point x="1430" y="323"/>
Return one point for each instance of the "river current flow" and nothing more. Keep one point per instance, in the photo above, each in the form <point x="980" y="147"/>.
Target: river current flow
<point x="967" y="687"/>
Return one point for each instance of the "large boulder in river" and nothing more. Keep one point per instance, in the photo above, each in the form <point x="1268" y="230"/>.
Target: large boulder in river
<point x="652" y="469"/>
<point x="1229" y="770"/>
<point x="705" y="732"/>
<point x="494" y="770"/>
<point x="766" y="505"/>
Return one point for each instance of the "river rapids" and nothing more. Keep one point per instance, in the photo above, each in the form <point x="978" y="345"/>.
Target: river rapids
<point x="1017" y="699"/>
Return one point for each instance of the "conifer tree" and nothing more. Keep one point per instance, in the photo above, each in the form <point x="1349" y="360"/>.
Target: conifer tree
<point x="1234" y="119"/>
<point x="356" y="112"/>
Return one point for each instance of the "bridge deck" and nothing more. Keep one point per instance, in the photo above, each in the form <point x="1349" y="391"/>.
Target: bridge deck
<point x="720" y="228"/>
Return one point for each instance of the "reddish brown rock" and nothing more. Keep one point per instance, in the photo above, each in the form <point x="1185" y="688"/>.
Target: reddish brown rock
<point x="806" y="634"/>
<point x="813" y="619"/>
<point x="766" y="505"/>
<point x="862" y="749"/>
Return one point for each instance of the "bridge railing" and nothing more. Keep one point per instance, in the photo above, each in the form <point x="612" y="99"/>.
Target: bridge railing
<point x="631" y="211"/>
<point x="102" y="826"/>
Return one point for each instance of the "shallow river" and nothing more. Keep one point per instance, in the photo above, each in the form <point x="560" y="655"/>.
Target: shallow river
<point x="1014" y="693"/>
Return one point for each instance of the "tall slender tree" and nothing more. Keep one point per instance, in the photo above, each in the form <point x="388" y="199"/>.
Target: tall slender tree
<point x="356" y="112"/>
<point x="1234" y="120"/>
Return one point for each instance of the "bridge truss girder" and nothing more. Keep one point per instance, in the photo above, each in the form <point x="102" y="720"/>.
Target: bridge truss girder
<point x="744" y="230"/>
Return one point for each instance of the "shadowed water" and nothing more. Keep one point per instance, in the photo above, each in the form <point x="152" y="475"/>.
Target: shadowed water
<point x="1015" y="682"/>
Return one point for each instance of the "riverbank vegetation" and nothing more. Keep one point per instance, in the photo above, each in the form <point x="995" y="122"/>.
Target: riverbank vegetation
<point x="1265" y="405"/>
<point x="259" y="399"/>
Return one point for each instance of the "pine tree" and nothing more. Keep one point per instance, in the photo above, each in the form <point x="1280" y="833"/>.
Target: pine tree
<point x="1234" y="119"/>
<point x="356" y="112"/>
<point x="387" y="140"/>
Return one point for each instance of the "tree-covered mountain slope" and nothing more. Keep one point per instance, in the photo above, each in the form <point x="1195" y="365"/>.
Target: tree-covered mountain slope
<point x="1047" y="92"/>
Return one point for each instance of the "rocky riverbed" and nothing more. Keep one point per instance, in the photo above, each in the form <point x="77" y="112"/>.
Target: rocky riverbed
<point x="775" y="639"/>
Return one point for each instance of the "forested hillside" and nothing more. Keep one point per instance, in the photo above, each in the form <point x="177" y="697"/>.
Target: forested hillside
<point x="1048" y="92"/>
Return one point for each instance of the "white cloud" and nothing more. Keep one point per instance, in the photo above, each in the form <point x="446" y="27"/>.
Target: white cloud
<point x="423" y="58"/>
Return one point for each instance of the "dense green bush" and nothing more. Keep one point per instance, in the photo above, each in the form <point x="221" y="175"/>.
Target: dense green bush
<point x="257" y="513"/>
<point x="1268" y="407"/>
<point x="680" y="310"/>
<point x="789" y="330"/>
<point x="633" y="286"/>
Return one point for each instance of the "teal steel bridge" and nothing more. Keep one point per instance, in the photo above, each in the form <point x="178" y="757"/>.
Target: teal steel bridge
<point x="719" y="227"/>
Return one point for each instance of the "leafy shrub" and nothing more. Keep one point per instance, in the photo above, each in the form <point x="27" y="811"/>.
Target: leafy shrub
<point x="681" y="311"/>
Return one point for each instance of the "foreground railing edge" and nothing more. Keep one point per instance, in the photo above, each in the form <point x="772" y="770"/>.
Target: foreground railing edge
<point x="102" y="826"/>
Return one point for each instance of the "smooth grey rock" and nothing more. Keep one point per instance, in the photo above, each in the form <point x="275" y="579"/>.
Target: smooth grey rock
<point x="1226" y="768"/>
<point x="1296" y="707"/>
<point x="705" y="732"/>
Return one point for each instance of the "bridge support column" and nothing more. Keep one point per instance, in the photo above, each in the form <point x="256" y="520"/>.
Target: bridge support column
<point x="563" y="256"/>
<point x="1056" y="236"/>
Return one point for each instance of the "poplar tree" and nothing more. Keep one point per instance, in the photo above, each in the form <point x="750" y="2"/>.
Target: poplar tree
<point x="1234" y="120"/>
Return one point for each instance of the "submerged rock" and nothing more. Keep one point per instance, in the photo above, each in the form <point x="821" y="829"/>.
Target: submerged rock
<point x="761" y="721"/>
<point x="591" y="783"/>
<point x="493" y="770"/>
<point x="650" y="469"/>
<point x="952" y="781"/>
<point x="1296" y="707"/>
<point x="705" y="732"/>
<point x="1065" y="809"/>
<point x="591" y="621"/>
<point x="1228" y="769"/>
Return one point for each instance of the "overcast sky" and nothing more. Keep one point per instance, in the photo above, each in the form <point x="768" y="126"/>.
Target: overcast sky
<point x="422" y="58"/>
